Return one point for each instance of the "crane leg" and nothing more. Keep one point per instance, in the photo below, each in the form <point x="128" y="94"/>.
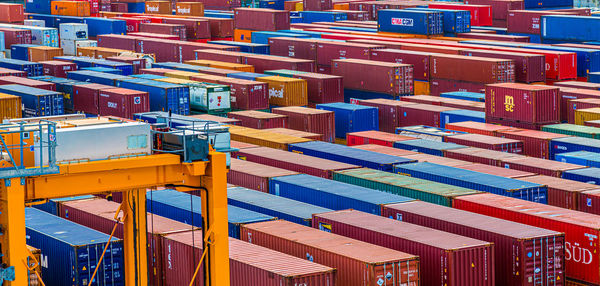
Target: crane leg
<point x="134" y="237"/>
<point x="12" y="220"/>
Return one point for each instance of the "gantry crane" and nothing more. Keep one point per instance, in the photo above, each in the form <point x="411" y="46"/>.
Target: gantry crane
<point x="21" y="184"/>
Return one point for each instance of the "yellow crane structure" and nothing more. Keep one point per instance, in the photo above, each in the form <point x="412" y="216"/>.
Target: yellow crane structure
<point x="20" y="185"/>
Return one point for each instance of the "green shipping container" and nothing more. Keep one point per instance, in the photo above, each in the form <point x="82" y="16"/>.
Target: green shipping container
<point x="428" y="191"/>
<point x="284" y="73"/>
<point x="573" y="130"/>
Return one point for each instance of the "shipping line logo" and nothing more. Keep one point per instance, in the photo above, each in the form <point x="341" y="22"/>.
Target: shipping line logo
<point x="183" y="10"/>
<point x="509" y="103"/>
<point x="152" y="8"/>
<point x="402" y="22"/>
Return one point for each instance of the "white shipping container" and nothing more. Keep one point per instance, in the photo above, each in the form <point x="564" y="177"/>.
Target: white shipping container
<point x="34" y="23"/>
<point x="70" y="46"/>
<point x="73" y="31"/>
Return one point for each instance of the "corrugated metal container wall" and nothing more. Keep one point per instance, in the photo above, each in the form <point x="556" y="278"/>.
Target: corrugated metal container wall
<point x="292" y="161"/>
<point x="389" y="115"/>
<point x="259" y="119"/>
<point x="528" y="67"/>
<point x="539" y="166"/>
<point x="284" y="91"/>
<point x="446" y="258"/>
<point x="475" y="180"/>
<point x="358" y="263"/>
<point x="323" y="88"/>
<point x="374" y="137"/>
<point x="181" y="255"/>
<point x="419" y="60"/>
<point x="582" y="253"/>
<point x="588" y="114"/>
<point x="351" y="117"/>
<point x="36" y="102"/>
<point x="561" y="192"/>
<point x="572" y="144"/>
<point x="263" y="137"/>
<point x="332" y="194"/>
<point x="122" y="102"/>
<point x="487" y="142"/>
<point x="421" y="114"/>
<point x="472" y="69"/>
<point x="521" y="102"/>
<point x="535" y="143"/>
<point x="478" y="155"/>
<point x="261" y="19"/>
<point x="73" y="251"/>
<point x="253" y="175"/>
<point x="10" y="106"/>
<point x="245" y="94"/>
<point x="310" y="120"/>
<point x="588" y="175"/>
<point x="567" y="94"/>
<point x="575" y="104"/>
<point x="389" y="78"/>
<point x="523" y="253"/>
<point x="589" y="201"/>
<point x="276" y="206"/>
<point x="329" y="50"/>
<point x="163" y="96"/>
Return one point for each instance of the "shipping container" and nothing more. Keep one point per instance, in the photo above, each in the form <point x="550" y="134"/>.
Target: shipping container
<point x="252" y="175"/>
<point x="475" y="180"/>
<point x="357" y="263"/>
<point x="487" y="142"/>
<point x="419" y="60"/>
<point x="528" y="67"/>
<point x="70" y="8"/>
<point x="285" y="91"/>
<point x="427" y="146"/>
<point x="245" y="94"/>
<point x="296" y="133"/>
<point x="580" y="229"/>
<point x="386" y="150"/>
<point x="472" y="69"/>
<point x="36" y="102"/>
<point x="539" y="166"/>
<point x="27" y="82"/>
<point x="293" y="161"/>
<point x="523" y="253"/>
<point x="588" y="201"/>
<point x="416" y="114"/>
<point x="579" y="85"/>
<point x="58" y="68"/>
<point x="15" y="36"/>
<point x="163" y="96"/>
<point x="454" y="21"/>
<point x="31" y="68"/>
<point x="263" y="137"/>
<point x="73" y="251"/>
<point x="471" y="96"/>
<point x="122" y="102"/>
<point x="535" y="143"/>
<point x="410" y="22"/>
<point x="10" y="106"/>
<point x="159" y="7"/>
<point x="205" y="97"/>
<point x="389" y="78"/>
<point x="478" y="155"/>
<point x="477" y="128"/>
<point x="584" y="158"/>
<point x="576" y="104"/>
<point x="460" y="115"/>
<point x="294" y="47"/>
<point x="86" y="97"/>
<point x="374" y="137"/>
<point x="389" y="115"/>
<point x="310" y="120"/>
<point x="11" y="13"/>
<point x="589" y="175"/>
<point x="497" y="171"/>
<point x="481" y="15"/>
<point x="448" y="259"/>
<point x="426" y="132"/>
<point x="561" y="192"/>
<point x="6" y="72"/>
<point x="569" y="28"/>
<point x="327" y="51"/>
<point x="573" y="130"/>
<point x="587" y="114"/>
<point x="351" y="117"/>
<point x="259" y="119"/>
<point x="261" y="19"/>
<point x="571" y="144"/>
<point x="262" y="63"/>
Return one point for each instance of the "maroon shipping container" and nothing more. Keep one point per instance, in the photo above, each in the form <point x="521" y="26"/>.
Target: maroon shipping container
<point x="390" y="78"/>
<point x="245" y="94"/>
<point x="16" y="36"/>
<point x="540" y="166"/>
<point x="163" y="50"/>
<point x="578" y="84"/>
<point x="446" y="258"/>
<point x="528" y="21"/>
<point x="119" y="7"/>
<point x="528" y="67"/>
<point x="27" y="82"/>
<point x="262" y="63"/>
<point x="328" y="51"/>
<point x="310" y="120"/>
<point x="217" y="55"/>
<point x="123" y="102"/>
<point x="124" y="42"/>
<point x="217" y="72"/>
<point x="58" y="68"/>
<point x="419" y="60"/>
<point x="561" y="192"/>
<point x="167" y="29"/>
<point x="187" y="50"/>
<point x="294" y="162"/>
<point x="500" y="8"/>
<point x="259" y="120"/>
<point x="99" y="214"/>
<point x="567" y="94"/>
<point x="439" y="86"/>
<point x="447" y="102"/>
<point x="494" y="37"/>
<point x="137" y="63"/>
<point x="357" y="262"/>
<point x="219" y="27"/>
<point x="388" y="150"/>
<point x="487" y="142"/>
<point x="477" y="127"/>
<point x="194" y="28"/>
<point x="482" y="156"/>
<point x="253" y="175"/>
<point x="323" y="88"/>
<point x="389" y="113"/>
<point x="535" y="143"/>
<point x="523" y="103"/>
<point x="433" y="159"/>
<point x="589" y="201"/>
<point x="12" y="13"/>
<point x="155" y="36"/>
<point x="317" y="5"/>
<point x="582" y="253"/>
<point x="258" y="19"/>
<point x="293" y="47"/>
<point x="472" y="69"/>
<point x="86" y="97"/>
<point x="354" y="15"/>
<point x="497" y="171"/>
<point x="7" y="72"/>
<point x="421" y="114"/>
<point x="523" y="253"/>
<point x="374" y="137"/>
<point x="518" y="124"/>
<point x="576" y="104"/>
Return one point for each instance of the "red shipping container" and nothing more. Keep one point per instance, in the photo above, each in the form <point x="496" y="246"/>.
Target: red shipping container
<point x="579" y="84"/>
<point x="245" y="94"/>
<point x="523" y="253"/>
<point x="487" y="142"/>
<point x="27" y="82"/>
<point x="58" y="68"/>
<point x="219" y="27"/>
<point x="446" y="258"/>
<point x="535" y="143"/>
<point x="137" y="63"/>
<point x="328" y="51"/>
<point x="497" y="171"/>
<point x="447" y="102"/>
<point x="581" y="230"/>
<point x="419" y="60"/>
<point x="86" y="96"/>
<point x="293" y="47"/>
<point x="500" y="8"/>
<point x="374" y="137"/>
<point x="167" y="29"/>
<point x="12" y="13"/>
<point x="155" y="36"/>
<point x="253" y="175"/>
<point x="494" y="37"/>
<point x="561" y="192"/>
<point x="589" y="201"/>
<point x="16" y="36"/>
<point x="434" y="159"/>
<point x="123" y="102"/>
<point x="317" y="5"/>
<point x="481" y="15"/>
<point x="187" y="49"/>
<point x="163" y="50"/>
<point x="517" y="124"/>
<point x="294" y="162"/>
<point x="477" y="128"/>
<point x="390" y="78"/>
<point x="389" y="113"/>
<point x="523" y="103"/>
<point x="262" y="63"/>
<point x="259" y="120"/>
<point x="217" y="55"/>
<point x="387" y="150"/>
<point x="567" y="94"/>
<point x="482" y="156"/>
<point x="133" y="24"/>
<point x="592" y="123"/>
<point x="528" y="67"/>
<point x="261" y="19"/>
<point x="357" y="263"/>
<point x="421" y="114"/>
<point x="576" y="104"/>
<point x="472" y="69"/>
<point x="119" y="7"/>
<point x="310" y="120"/>
<point x="323" y="88"/>
<point x="124" y="42"/>
<point x="539" y="166"/>
<point x="439" y="86"/>
<point x="194" y="28"/>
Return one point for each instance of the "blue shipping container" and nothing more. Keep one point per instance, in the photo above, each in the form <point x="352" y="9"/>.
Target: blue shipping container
<point x="570" y="28"/>
<point x="310" y="33"/>
<point x="272" y="4"/>
<point x="104" y="70"/>
<point x="2" y="42"/>
<point x="460" y="115"/>
<point x="253" y="48"/>
<point x="179" y="66"/>
<point x="586" y="175"/>
<point x="427" y="146"/>
<point x="81" y="62"/>
<point x="295" y="20"/>
<point x="187" y="208"/>
<point x="36" y="102"/>
<point x="410" y="22"/>
<point x="31" y="68"/>
<point x="262" y="37"/>
<point x="352" y="117"/>
<point x="584" y="158"/>
<point x="594" y="77"/>
<point x="101" y="26"/>
<point x="71" y="252"/>
<point x="475" y="181"/>
<point x="52" y="206"/>
<point x="20" y="51"/>
<point x="95" y="77"/>
<point x="65" y="86"/>
<point x="547" y="3"/>
<point x="276" y="206"/>
<point x="350" y="94"/>
<point x="148" y="76"/>
<point x="332" y="194"/>
<point x="163" y="96"/>
<point x="465" y="95"/>
<point x="139" y="7"/>
<point x="572" y="144"/>
<point x="126" y="69"/>
<point x="246" y="75"/>
<point x="455" y="21"/>
<point x="345" y="154"/>
<point x="322" y="16"/>
<point x="38" y="7"/>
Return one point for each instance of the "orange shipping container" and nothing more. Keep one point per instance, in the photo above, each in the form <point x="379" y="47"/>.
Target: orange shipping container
<point x="240" y="35"/>
<point x="86" y="52"/>
<point x="43" y="53"/>
<point x="71" y="8"/>
<point x="10" y="106"/>
<point x="158" y="7"/>
<point x="189" y="9"/>
<point x="285" y="91"/>
<point x="222" y="65"/>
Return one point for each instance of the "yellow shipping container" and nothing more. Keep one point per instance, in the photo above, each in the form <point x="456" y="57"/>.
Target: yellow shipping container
<point x="263" y="138"/>
<point x="286" y="91"/>
<point x="422" y="88"/>
<point x="70" y="8"/>
<point x="222" y="65"/>
<point x="240" y="35"/>
<point x="183" y="74"/>
<point x="588" y="114"/>
<point x="10" y="106"/>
